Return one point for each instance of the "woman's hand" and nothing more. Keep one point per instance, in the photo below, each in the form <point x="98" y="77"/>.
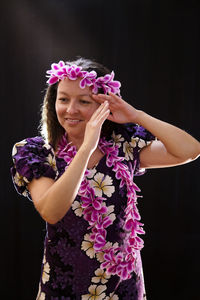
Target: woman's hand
<point x="94" y="125"/>
<point x="122" y="112"/>
<point x="53" y="199"/>
<point x="173" y="147"/>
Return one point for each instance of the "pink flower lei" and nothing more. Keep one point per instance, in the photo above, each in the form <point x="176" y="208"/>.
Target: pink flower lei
<point x="60" y="71"/>
<point x="118" y="260"/>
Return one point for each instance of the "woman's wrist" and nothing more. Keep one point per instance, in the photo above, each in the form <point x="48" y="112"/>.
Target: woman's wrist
<point x="138" y="116"/>
<point x="85" y="150"/>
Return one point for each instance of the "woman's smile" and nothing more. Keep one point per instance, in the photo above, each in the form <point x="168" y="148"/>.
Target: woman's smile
<point x="74" y="107"/>
<point x="71" y="121"/>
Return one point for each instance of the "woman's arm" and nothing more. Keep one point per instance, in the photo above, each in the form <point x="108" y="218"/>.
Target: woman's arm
<point x="53" y="199"/>
<point x="174" y="146"/>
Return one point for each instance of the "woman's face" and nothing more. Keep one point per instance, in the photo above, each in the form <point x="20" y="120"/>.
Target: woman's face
<point x="74" y="107"/>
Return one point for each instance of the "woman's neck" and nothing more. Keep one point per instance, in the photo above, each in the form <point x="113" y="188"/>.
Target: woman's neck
<point x="75" y="141"/>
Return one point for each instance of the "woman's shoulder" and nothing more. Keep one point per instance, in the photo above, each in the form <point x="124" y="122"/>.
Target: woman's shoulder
<point x="36" y="140"/>
<point x="33" y="151"/>
<point x="35" y="144"/>
<point x="32" y="158"/>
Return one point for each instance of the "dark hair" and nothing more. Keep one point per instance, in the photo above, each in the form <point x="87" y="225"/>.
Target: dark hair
<point x="50" y="128"/>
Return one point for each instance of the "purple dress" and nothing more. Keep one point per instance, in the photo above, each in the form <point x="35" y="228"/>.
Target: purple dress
<point x="71" y="268"/>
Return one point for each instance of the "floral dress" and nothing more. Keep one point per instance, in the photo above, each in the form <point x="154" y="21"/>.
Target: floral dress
<point x="93" y="252"/>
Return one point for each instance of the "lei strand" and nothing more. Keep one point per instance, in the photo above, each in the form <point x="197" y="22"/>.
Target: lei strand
<point x="60" y="71"/>
<point x="118" y="260"/>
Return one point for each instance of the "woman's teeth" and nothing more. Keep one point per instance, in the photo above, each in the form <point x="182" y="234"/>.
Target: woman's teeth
<point x="73" y="120"/>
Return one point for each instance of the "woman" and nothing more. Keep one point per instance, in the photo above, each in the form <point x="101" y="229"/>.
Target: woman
<point x="80" y="177"/>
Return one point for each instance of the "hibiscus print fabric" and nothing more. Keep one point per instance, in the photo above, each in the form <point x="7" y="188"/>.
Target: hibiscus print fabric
<point x="72" y="268"/>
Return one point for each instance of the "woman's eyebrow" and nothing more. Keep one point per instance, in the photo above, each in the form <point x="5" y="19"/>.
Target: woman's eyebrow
<point x="63" y="93"/>
<point x="79" y="95"/>
<point x="82" y="95"/>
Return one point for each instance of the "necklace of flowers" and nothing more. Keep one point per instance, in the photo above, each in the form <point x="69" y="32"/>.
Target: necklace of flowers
<point x="118" y="260"/>
<point x="60" y="71"/>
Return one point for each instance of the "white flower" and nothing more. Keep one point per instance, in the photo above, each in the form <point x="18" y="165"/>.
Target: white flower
<point x="51" y="160"/>
<point x="128" y="146"/>
<point x="101" y="276"/>
<point x="78" y="210"/>
<point x="87" y="246"/>
<point x="102" y="184"/>
<point x="100" y="256"/>
<point x="117" y="138"/>
<point x="44" y="257"/>
<point x="112" y="297"/>
<point x="20" y="144"/>
<point x="20" y="180"/>
<point x="95" y="292"/>
<point x="91" y="173"/>
<point x="47" y="146"/>
<point x="108" y="245"/>
<point x="42" y="296"/>
<point x="140" y="142"/>
<point x="25" y="193"/>
<point x="134" y="141"/>
<point x="110" y="212"/>
<point x="128" y="150"/>
<point x="45" y="273"/>
<point x="46" y="270"/>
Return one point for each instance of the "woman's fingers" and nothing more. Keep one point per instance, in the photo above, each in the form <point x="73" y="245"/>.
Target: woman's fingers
<point x="93" y="127"/>
<point x="103" y="115"/>
<point x="101" y="97"/>
<point x="111" y="98"/>
<point x="98" y="99"/>
<point x="103" y="107"/>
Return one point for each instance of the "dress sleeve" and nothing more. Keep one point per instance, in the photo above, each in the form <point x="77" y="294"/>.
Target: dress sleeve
<point x="32" y="158"/>
<point x="135" y="138"/>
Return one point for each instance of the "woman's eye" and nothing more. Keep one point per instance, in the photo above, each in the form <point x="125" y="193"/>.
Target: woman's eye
<point x="63" y="99"/>
<point x="84" y="101"/>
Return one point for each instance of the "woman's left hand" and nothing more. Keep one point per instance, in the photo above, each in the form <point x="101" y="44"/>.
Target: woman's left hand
<point x="121" y="111"/>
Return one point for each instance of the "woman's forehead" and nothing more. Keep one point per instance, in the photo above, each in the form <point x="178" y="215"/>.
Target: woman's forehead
<point x="68" y="87"/>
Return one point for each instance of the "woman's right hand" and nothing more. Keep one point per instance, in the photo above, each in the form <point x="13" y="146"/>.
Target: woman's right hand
<point x="94" y="125"/>
<point x="53" y="199"/>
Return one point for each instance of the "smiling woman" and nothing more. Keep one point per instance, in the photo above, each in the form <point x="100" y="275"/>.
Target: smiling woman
<point x="74" y="108"/>
<point x="50" y="127"/>
<point x="80" y="177"/>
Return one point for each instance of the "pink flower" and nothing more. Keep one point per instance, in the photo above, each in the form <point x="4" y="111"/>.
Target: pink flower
<point x="91" y="215"/>
<point x="54" y="73"/>
<point x="107" y="84"/>
<point x="60" y="71"/>
<point x="136" y="243"/>
<point x="124" y="269"/>
<point x="100" y="242"/>
<point x="73" y="72"/>
<point x="117" y="260"/>
<point x="86" y="201"/>
<point x="88" y="79"/>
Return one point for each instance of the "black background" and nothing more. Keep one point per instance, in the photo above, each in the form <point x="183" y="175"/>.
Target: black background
<point x="154" y="49"/>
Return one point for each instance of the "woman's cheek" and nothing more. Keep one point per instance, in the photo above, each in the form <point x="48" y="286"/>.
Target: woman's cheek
<point x="60" y="109"/>
<point x="92" y="110"/>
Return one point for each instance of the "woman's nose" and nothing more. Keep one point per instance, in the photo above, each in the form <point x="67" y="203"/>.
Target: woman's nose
<point x="71" y="108"/>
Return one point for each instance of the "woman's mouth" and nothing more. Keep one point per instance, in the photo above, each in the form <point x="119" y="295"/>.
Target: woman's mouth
<point x="72" y="121"/>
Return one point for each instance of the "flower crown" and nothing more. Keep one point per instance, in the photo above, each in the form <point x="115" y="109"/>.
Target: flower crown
<point x="61" y="71"/>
